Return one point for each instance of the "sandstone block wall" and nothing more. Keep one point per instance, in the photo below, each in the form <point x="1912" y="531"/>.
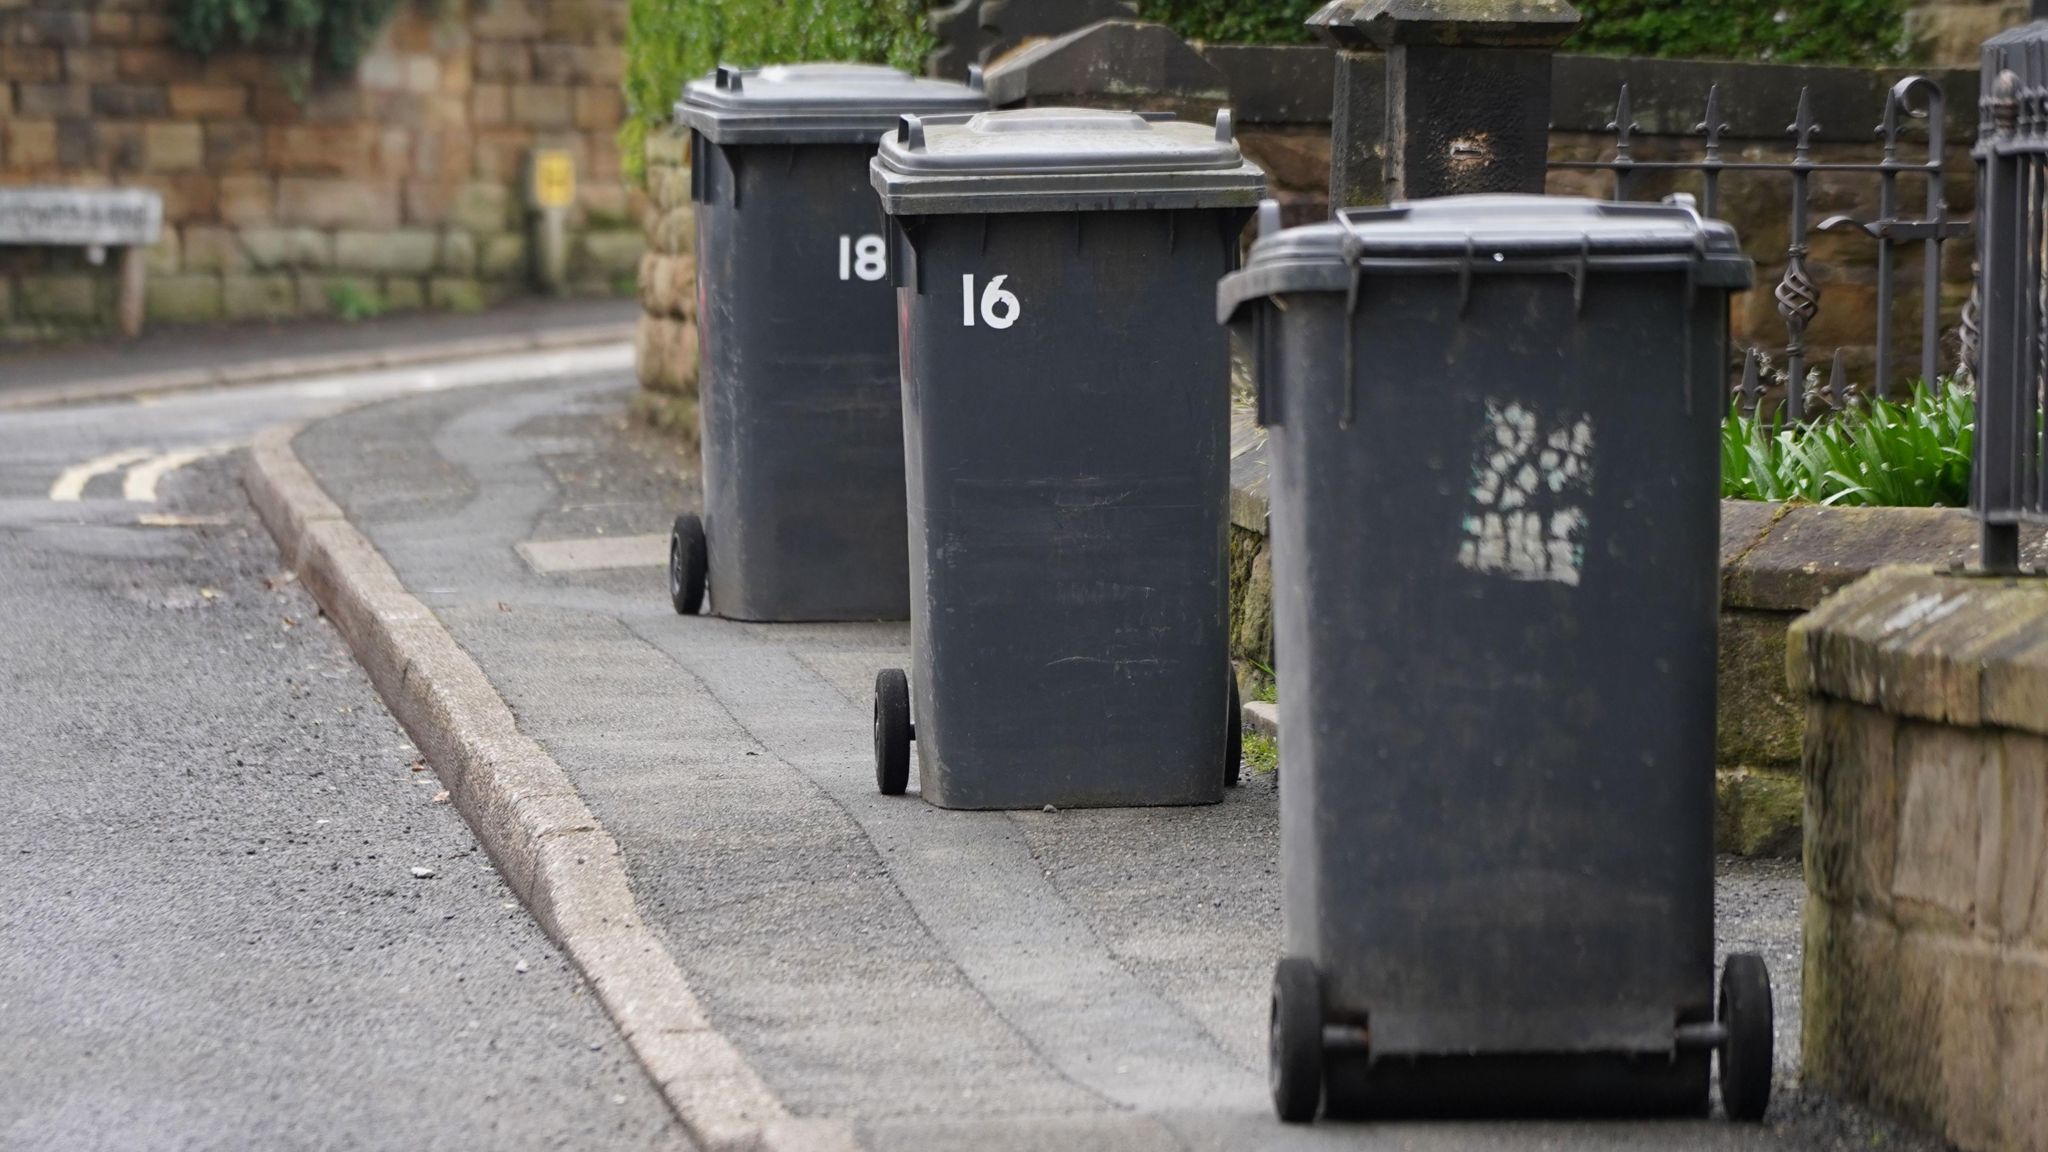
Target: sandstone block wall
<point x="665" y="347"/>
<point x="1926" y="764"/>
<point x="1947" y="32"/>
<point x="288" y="193"/>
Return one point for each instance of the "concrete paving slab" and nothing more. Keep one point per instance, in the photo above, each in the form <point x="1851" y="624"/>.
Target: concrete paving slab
<point x="594" y="553"/>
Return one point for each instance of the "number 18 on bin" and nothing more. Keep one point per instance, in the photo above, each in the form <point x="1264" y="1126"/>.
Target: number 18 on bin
<point x="865" y="258"/>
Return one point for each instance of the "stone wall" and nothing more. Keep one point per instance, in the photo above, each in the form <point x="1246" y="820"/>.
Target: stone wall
<point x="665" y="347"/>
<point x="1282" y="102"/>
<point x="286" y="193"/>
<point x="1948" y="32"/>
<point x="1926" y="959"/>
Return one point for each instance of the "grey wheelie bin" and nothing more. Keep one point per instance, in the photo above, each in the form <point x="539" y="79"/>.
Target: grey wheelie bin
<point x="802" y="428"/>
<point x="1493" y="428"/>
<point x="1066" y="404"/>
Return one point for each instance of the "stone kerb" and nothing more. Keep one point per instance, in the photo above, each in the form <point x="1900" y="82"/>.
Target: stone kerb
<point x="1926" y="768"/>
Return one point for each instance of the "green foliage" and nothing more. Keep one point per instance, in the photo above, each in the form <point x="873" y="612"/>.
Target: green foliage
<point x="1819" y="31"/>
<point x="1826" y="31"/>
<point x="1268" y="682"/>
<point x="1261" y="754"/>
<point x="353" y="302"/>
<point x="1234" y="21"/>
<point x="333" y="32"/>
<point x="670" y="42"/>
<point x="1877" y="453"/>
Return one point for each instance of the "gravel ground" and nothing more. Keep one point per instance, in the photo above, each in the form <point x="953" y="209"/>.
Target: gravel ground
<point x="236" y="913"/>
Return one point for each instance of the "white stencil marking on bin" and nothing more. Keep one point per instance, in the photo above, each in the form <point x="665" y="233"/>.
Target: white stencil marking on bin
<point x="1531" y="483"/>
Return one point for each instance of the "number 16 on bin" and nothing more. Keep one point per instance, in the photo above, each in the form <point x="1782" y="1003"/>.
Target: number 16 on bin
<point x="999" y="307"/>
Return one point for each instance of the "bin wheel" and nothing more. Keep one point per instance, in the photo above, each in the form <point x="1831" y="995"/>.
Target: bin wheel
<point x="1233" y="739"/>
<point x="892" y="732"/>
<point x="1295" y="1067"/>
<point x="1747" y="1057"/>
<point x="686" y="565"/>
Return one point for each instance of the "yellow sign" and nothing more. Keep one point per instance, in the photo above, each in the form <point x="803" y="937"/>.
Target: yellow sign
<point x="554" y="179"/>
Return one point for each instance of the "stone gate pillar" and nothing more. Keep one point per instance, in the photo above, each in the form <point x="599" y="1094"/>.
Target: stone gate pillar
<point x="1465" y="105"/>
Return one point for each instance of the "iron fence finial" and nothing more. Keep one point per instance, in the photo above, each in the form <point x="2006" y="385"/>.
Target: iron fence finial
<point x="2005" y="103"/>
<point x="1623" y="125"/>
<point x="1712" y="125"/>
<point x="1803" y="128"/>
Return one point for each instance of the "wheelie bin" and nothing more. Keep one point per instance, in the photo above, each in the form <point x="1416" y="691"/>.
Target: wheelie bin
<point x="802" y="428"/>
<point x="1066" y="424"/>
<point x="1493" y="424"/>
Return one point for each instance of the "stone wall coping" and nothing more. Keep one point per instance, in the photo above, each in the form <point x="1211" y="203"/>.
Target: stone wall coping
<point x="1127" y="58"/>
<point x="1951" y="648"/>
<point x="1293" y="84"/>
<point x="1774" y="557"/>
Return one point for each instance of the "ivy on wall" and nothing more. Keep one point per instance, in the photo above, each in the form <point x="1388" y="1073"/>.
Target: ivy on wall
<point x="1786" y="31"/>
<point x="333" y="33"/>
<point x="1823" y="31"/>
<point x="670" y="42"/>
<point x="1234" y="21"/>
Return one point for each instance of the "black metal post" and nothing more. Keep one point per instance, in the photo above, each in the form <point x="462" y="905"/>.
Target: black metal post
<point x="1466" y="102"/>
<point x="2005" y="409"/>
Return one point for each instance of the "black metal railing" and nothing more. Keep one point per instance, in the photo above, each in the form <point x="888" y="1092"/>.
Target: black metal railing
<point x="2011" y="484"/>
<point x="1915" y="98"/>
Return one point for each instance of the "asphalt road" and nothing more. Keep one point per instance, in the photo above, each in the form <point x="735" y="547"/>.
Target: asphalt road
<point x="214" y="927"/>
<point x="1089" y="979"/>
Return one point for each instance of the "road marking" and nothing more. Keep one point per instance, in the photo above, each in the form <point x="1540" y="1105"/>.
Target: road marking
<point x="594" y="553"/>
<point x="146" y="469"/>
<point x="70" y="486"/>
<point x="172" y="520"/>
<point x="141" y="481"/>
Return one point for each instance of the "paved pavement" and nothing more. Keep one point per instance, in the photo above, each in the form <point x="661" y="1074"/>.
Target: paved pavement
<point x="213" y="933"/>
<point x="229" y="347"/>
<point x="1086" y="979"/>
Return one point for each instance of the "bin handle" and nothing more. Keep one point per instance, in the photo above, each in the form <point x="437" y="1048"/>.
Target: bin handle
<point x="1350" y="412"/>
<point x="910" y="132"/>
<point x="1465" y="275"/>
<point x="1263" y="406"/>
<point x="727" y="78"/>
<point x="1579" y="273"/>
<point x="696" y="167"/>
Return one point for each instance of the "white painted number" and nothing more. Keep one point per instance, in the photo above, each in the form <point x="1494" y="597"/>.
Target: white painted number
<point x="865" y="258"/>
<point x="999" y="308"/>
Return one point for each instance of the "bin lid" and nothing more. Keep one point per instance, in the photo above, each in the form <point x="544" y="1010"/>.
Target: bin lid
<point x="1487" y="234"/>
<point x="813" y="103"/>
<point x="1061" y="160"/>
